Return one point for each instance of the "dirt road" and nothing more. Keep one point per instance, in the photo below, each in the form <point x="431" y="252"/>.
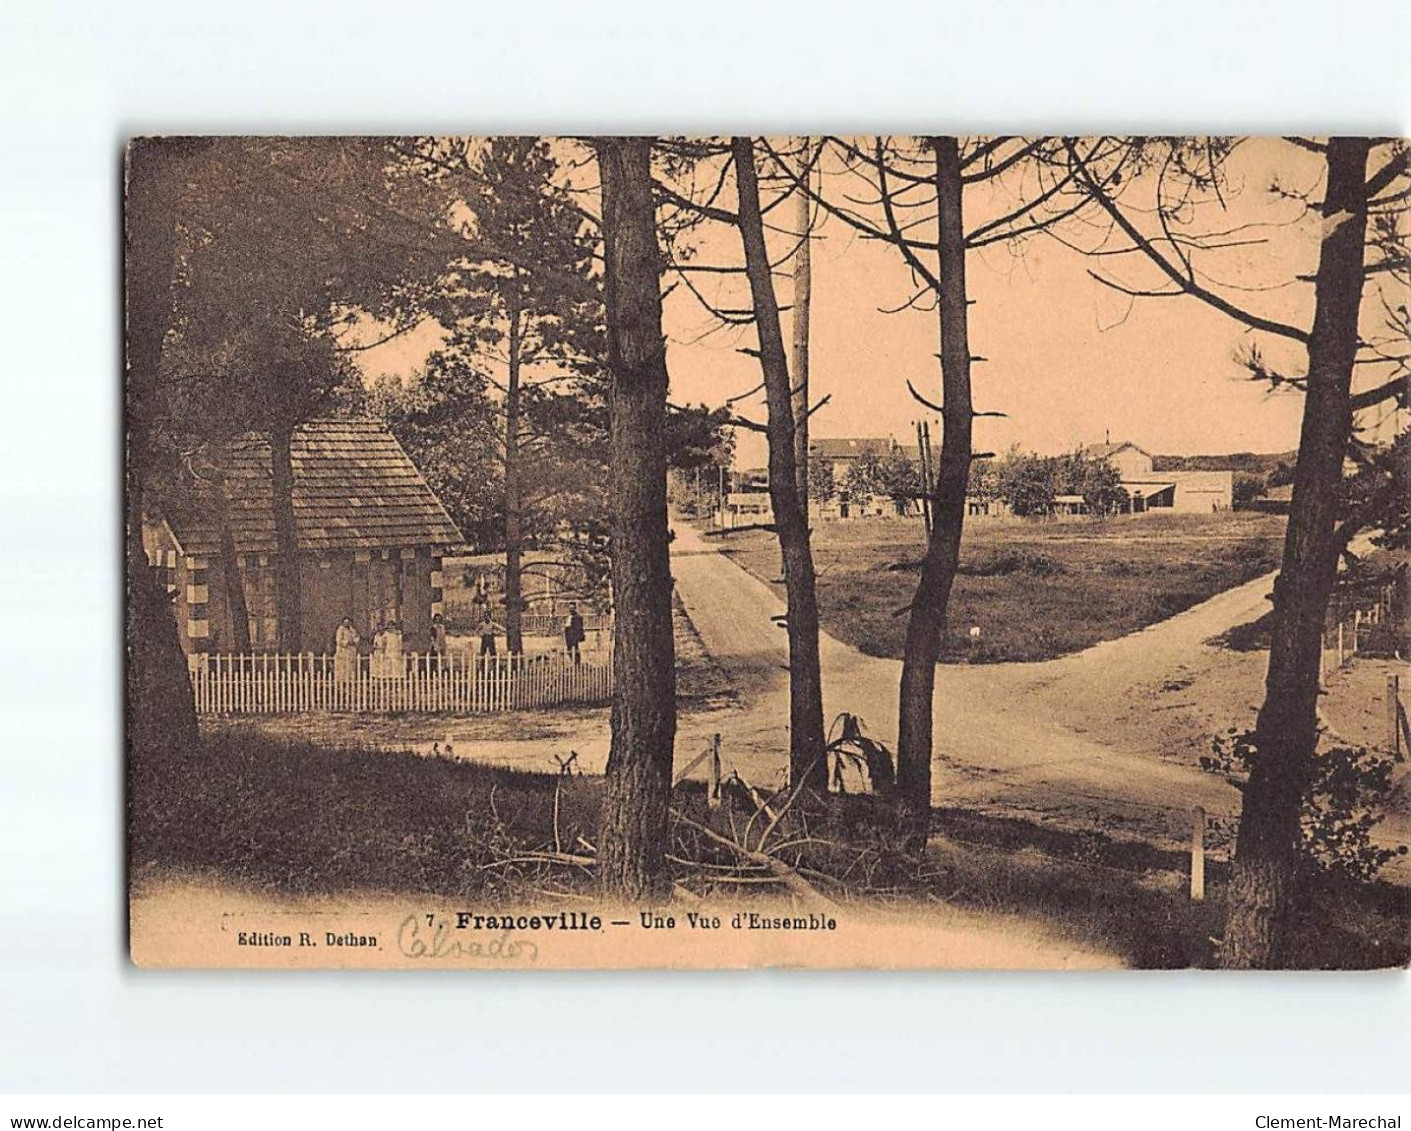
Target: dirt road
<point x="1010" y="738"/>
<point x="1105" y="738"/>
<point x="1000" y="743"/>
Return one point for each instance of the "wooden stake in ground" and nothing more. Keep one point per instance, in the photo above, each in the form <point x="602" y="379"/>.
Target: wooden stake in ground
<point x="1198" y="856"/>
<point x="713" y="792"/>
<point x="1393" y="716"/>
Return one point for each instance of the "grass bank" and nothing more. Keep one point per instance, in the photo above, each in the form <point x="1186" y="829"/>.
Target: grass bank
<point x="298" y="818"/>
<point x="1035" y="590"/>
<point x="292" y="819"/>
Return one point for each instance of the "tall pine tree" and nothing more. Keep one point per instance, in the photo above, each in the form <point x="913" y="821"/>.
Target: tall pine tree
<point x="523" y="309"/>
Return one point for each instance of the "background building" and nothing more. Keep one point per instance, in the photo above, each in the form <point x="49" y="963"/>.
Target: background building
<point x="1184" y="492"/>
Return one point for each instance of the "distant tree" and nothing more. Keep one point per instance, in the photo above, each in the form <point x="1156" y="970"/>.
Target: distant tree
<point x="1100" y="484"/>
<point x="448" y="423"/>
<point x="1026" y="482"/>
<point x="522" y="303"/>
<point x="698" y="437"/>
<point x="984" y="480"/>
<point x="449" y="419"/>
<point x="900" y="480"/>
<point x="822" y="481"/>
<point x="865" y="477"/>
<point x="701" y="450"/>
<point x="1248" y="487"/>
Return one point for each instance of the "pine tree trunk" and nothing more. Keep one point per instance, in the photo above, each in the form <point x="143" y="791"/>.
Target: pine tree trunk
<point x="288" y="590"/>
<point x="803" y="298"/>
<point x="236" y="611"/>
<point x="160" y="709"/>
<point x="927" y="621"/>
<point x="806" y="739"/>
<point x="1286" y="734"/>
<point x="633" y="834"/>
<point x="514" y="525"/>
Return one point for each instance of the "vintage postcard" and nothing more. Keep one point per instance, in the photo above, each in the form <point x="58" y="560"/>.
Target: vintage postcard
<point x="712" y="552"/>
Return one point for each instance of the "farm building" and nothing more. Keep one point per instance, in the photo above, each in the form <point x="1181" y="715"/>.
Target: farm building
<point x="370" y="531"/>
<point x="977" y="506"/>
<point x="843" y="452"/>
<point x="839" y="454"/>
<point x="1184" y="492"/>
<point x="747" y="508"/>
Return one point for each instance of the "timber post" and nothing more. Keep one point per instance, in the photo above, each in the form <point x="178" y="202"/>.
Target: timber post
<point x="713" y="790"/>
<point x="1393" y="715"/>
<point x="1198" y="855"/>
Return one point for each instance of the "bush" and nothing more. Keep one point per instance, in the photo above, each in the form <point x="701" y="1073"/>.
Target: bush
<point x="1248" y="487"/>
<point x="1001" y="562"/>
<point x="1340" y="810"/>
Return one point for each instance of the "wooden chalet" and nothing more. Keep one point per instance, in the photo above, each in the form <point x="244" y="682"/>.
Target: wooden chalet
<point x="371" y="535"/>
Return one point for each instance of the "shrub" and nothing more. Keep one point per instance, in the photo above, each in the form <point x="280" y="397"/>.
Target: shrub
<point x="1001" y="562"/>
<point x="1340" y="810"/>
<point x="1248" y="487"/>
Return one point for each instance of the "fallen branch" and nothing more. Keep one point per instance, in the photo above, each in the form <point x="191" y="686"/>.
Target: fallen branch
<point x="799" y="887"/>
<point x="542" y="858"/>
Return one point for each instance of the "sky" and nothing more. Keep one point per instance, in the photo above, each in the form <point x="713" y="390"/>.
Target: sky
<point x="1069" y="360"/>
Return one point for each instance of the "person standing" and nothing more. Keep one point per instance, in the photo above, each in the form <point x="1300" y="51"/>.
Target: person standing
<point x="345" y="651"/>
<point x="438" y="640"/>
<point x="378" y="661"/>
<point x="487" y="631"/>
<point x="392" y="647"/>
<point x="573" y="634"/>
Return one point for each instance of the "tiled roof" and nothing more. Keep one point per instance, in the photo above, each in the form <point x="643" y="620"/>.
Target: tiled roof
<point x="354" y="488"/>
<point x="1102" y="451"/>
<point x="849" y="448"/>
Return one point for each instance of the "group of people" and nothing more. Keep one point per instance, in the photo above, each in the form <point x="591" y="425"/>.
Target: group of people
<point x="573" y="634"/>
<point x="388" y="656"/>
<point x="388" y="659"/>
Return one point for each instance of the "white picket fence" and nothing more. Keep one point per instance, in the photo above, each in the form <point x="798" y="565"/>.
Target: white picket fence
<point x="279" y="684"/>
<point x="1348" y="626"/>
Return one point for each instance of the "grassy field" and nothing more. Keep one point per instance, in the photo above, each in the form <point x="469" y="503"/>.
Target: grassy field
<point x="1036" y="591"/>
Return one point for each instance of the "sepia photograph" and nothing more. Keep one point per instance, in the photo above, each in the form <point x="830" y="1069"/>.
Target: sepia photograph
<point x="849" y="565"/>
<point x="709" y="552"/>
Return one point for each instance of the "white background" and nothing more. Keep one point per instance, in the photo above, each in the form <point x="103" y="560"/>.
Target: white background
<point x="77" y="79"/>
